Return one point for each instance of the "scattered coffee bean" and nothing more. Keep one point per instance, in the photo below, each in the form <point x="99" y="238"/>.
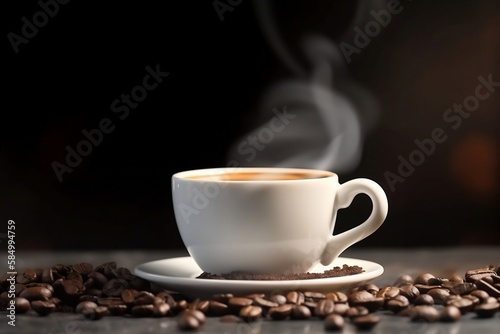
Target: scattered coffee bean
<point x="334" y="322"/>
<point x="424" y="312"/>
<point x="486" y="310"/>
<point x="450" y="314"/>
<point x="230" y="318"/>
<point x="22" y="305"/>
<point x="281" y="312"/>
<point x="190" y="319"/>
<point x="366" y="322"/>
<point x="42" y="307"/>
<point x="95" y="313"/>
<point x="250" y="313"/>
<point x="424" y="299"/>
<point x="301" y="312"/>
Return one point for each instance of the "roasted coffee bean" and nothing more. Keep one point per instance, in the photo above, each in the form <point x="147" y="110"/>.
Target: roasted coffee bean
<point x="165" y="296"/>
<point x="29" y="276"/>
<point x="479" y="273"/>
<point x="324" y="307"/>
<point x="235" y="304"/>
<point x="388" y="292"/>
<point x="423" y="278"/>
<point x="424" y="299"/>
<point x="179" y="306"/>
<point x="250" y="313"/>
<point x="128" y="295"/>
<point x="278" y="299"/>
<point x="160" y="309"/>
<point x="490" y="289"/>
<point x="337" y="297"/>
<point x="450" y="314"/>
<point x="264" y="303"/>
<point x="312" y="305"/>
<point x="93" y="292"/>
<point x="340" y="309"/>
<point x="295" y="297"/>
<point x="486" y="310"/>
<point x="99" y="279"/>
<point x="147" y="310"/>
<point x="230" y="318"/>
<point x="475" y="300"/>
<point x="83" y="268"/>
<point x="43" y="285"/>
<point x="217" y="309"/>
<point x="124" y="272"/>
<point x="463" y="288"/>
<point x="314" y="296"/>
<point x="102" y="267"/>
<point x="463" y="304"/>
<point x="482" y="295"/>
<point x="85" y="305"/>
<point x="61" y="269"/>
<point x="190" y="319"/>
<point x="222" y="297"/>
<point x="201" y="305"/>
<point x="114" y="287"/>
<point x="301" y="312"/>
<point x="280" y="312"/>
<point x="397" y="304"/>
<point x="440" y="295"/>
<point x="88" y="283"/>
<point x="456" y="278"/>
<point x="69" y="291"/>
<point x="403" y="279"/>
<point x="42" y="307"/>
<point x="358" y="297"/>
<point x="366" y="322"/>
<point x="36" y="293"/>
<point x="95" y="313"/>
<point x="334" y="322"/>
<point x="409" y="291"/>
<point x="107" y="301"/>
<point x="425" y="313"/>
<point x="422" y="288"/>
<point x="356" y="311"/>
<point x="436" y="281"/>
<point x="370" y="287"/>
<point x="143" y="298"/>
<point x="22" y="305"/>
<point x="47" y="276"/>
<point x="74" y="275"/>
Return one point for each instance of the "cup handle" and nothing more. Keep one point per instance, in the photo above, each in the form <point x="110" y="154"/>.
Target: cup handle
<point x="336" y="244"/>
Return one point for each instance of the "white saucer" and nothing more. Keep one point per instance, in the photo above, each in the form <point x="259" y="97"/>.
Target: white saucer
<point x="179" y="275"/>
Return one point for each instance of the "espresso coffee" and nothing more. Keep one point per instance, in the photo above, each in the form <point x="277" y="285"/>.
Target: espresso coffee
<point x="256" y="176"/>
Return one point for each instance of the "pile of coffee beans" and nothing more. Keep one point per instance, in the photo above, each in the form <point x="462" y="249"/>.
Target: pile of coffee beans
<point x="109" y="290"/>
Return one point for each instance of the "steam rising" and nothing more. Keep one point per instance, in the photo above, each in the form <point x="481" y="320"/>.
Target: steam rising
<point x="332" y="112"/>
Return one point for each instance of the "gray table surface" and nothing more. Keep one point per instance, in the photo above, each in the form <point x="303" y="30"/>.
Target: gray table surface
<point x="440" y="261"/>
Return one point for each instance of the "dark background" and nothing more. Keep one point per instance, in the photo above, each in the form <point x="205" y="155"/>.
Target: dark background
<point x="64" y="80"/>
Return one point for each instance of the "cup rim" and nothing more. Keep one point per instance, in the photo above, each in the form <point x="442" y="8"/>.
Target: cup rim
<point x="320" y="174"/>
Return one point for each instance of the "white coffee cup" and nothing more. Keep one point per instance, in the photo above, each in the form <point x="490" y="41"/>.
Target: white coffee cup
<point x="268" y="220"/>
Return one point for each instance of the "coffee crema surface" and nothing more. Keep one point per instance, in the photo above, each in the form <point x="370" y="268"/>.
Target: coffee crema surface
<point x="257" y="176"/>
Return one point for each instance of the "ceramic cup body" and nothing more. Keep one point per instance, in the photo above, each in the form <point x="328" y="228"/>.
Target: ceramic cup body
<point x="262" y="220"/>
